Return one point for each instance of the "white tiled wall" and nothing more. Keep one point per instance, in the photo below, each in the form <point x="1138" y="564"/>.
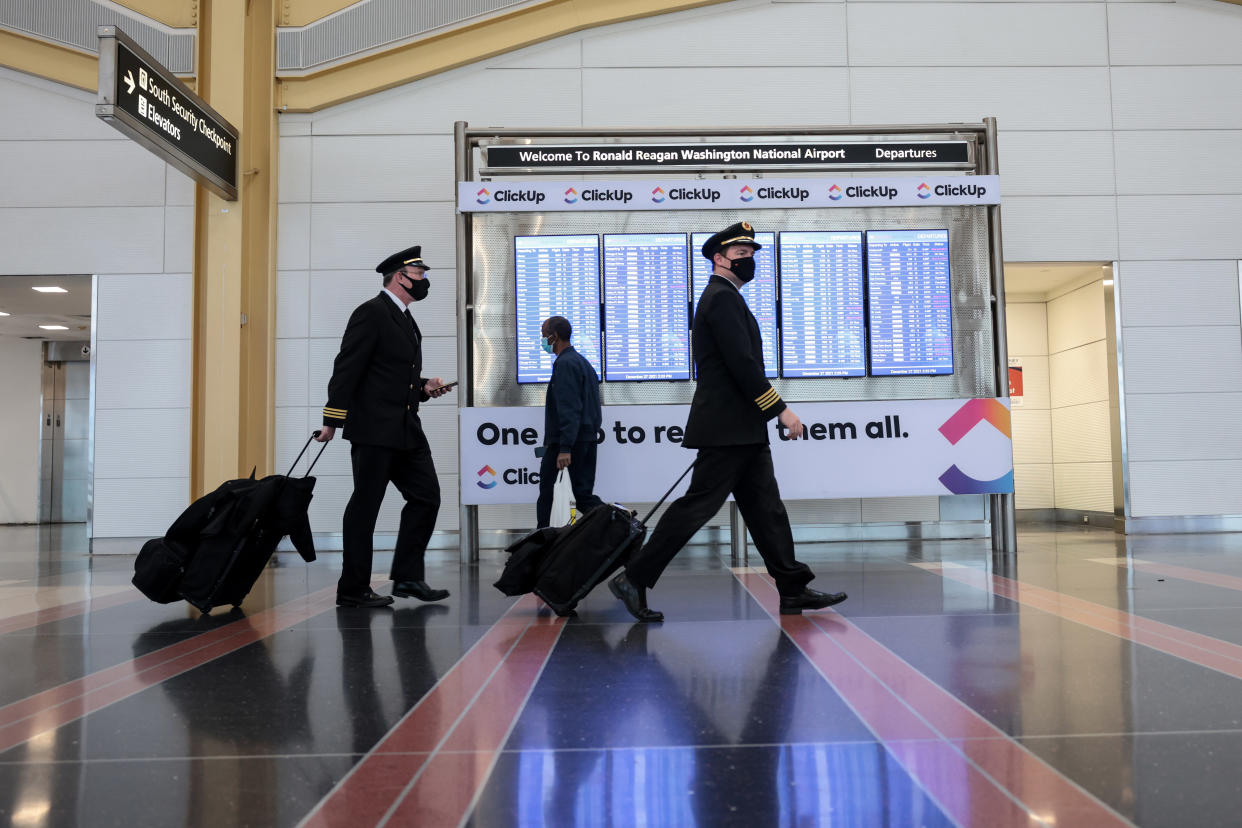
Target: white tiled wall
<point x="975" y="34"/>
<point x="80" y="198"/>
<point x="1183" y="354"/>
<point x="1027" y="328"/>
<point x="142" y="402"/>
<point x="21" y="364"/>
<point x="1078" y="389"/>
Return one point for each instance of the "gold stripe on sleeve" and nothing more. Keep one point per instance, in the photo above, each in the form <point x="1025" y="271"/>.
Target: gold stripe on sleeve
<point x="764" y="406"/>
<point x="767" y="397"/>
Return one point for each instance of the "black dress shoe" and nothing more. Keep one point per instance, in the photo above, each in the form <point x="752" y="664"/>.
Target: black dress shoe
<point x="419" y="590"/>
<point x="634" y="598"/>
<point x="809" y="599"/>
<point x="370" y="598"/>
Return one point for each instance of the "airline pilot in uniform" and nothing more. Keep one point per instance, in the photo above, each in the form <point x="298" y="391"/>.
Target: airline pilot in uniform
<point x="375" y="390"/>
<point x="728" y="424"/>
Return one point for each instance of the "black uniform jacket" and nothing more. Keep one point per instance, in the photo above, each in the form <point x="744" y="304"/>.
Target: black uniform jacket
<point x="377" y="380"/>
<point x="571" y="413"/>
<point x="733" y="401"/>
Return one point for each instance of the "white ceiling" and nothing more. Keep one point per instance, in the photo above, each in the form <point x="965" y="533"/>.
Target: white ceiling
<point x="28" y="309"/>
<point x="1050" y="279"/>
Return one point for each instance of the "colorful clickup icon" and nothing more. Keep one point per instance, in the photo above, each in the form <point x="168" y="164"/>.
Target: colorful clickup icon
<point x="747" y="193"/>
<point x="924" y="191"/>
<point x="571" y="196"/>
<point x="487" y="478"/>
<point x="958" y="426"/>
<point x="483" y="196"/>
<point x="657" y="195"/>
<point x="834" y="193"/>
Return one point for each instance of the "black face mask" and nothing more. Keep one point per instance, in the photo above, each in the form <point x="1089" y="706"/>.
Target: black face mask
<point x="418" y="288"/>
<point x="743" y="269"/>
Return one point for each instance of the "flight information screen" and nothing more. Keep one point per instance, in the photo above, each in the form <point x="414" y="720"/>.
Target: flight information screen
<point x="556" y="276"/>
<point x="909" y="297"/>
<point x="646" y="295"/>
<point x="822" y="319"/>
<point x="759" y="293"/>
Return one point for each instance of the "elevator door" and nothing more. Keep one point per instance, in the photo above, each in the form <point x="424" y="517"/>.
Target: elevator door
<point x="66" y="416"/>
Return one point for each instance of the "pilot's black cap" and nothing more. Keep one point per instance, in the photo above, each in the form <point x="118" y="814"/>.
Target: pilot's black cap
<point x="412" y="256"/>
<point x="740" y="233"/>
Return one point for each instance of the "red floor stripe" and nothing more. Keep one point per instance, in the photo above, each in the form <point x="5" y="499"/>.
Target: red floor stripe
<point x="1196" y="648"/>
<point x="408" y="777"/>
<point x="1183" y="573"/>
<point x="1000" y="784"/>
<point x="445" y="791"/>
<point x="25" y="719"/>
<point x="46" y="616"/>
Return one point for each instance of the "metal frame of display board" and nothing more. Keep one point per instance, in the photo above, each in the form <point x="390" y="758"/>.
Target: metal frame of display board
<point x="470" y="166"/>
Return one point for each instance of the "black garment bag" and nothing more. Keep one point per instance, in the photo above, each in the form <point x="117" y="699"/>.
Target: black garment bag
<point x="562" y="564"/>
<point x="215" y="551"/>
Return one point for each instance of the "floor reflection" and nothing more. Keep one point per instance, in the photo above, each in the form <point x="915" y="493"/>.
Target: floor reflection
<point x="847" y="784"/>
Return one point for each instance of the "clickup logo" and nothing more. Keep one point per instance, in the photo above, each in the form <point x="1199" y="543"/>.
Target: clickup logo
<point x="571" y="196"/>
<point x="657" y="195"/>
<point x="924" y="191"/>
<point x="747" y="193"/>
<point x="834" y="192"/>
<point x="487" y="478"/>
<point x="958" y="426"/>
<point x="483" y="196"/>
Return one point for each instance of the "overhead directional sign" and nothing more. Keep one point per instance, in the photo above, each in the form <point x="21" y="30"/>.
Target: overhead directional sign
<point x="148" y="103"/>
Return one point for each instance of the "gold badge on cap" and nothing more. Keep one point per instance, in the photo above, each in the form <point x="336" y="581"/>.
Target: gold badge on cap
<point x="747" y="227"/>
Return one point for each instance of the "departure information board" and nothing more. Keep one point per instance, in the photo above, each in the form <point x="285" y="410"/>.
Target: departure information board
<point x="910" y="301"/>
<point x="556" y="276"/>
<point x="646" y="295"/>
<point x="759" y="293"/>
<point x="822" y="314"/>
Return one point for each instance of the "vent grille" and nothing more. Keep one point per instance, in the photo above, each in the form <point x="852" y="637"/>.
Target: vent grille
<point x="371" y="24"/>
<point x="74" y="23"/>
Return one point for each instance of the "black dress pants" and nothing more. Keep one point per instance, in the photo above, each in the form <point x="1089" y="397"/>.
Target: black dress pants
<point x="414" y="475"/>
<point x="581" y="479"/>
<point x="747" y="473"/>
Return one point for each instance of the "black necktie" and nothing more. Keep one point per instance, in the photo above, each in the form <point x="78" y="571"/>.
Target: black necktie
<point x="413" y="328"/>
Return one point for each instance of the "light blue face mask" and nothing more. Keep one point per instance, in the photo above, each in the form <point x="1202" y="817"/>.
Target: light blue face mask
<point x="546" y="344"/>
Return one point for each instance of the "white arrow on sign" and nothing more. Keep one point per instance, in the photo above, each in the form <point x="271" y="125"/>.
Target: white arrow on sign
<point x="129" y="79"/>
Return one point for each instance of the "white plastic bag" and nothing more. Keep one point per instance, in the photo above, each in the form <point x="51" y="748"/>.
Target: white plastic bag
<point x="561" y="496"/>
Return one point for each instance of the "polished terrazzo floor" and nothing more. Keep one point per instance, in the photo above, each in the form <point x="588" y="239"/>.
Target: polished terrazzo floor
<point x="1095" y="680"/>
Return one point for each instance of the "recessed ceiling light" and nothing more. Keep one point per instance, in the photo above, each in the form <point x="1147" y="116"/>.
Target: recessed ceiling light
<point x="51" y="289"/>
<point x="2" y="313"/>
<point x="53" y="327"/>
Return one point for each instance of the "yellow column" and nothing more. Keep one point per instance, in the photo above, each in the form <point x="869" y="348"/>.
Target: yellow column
<point x="234" y="262"/>
<point x="260" y="145"/>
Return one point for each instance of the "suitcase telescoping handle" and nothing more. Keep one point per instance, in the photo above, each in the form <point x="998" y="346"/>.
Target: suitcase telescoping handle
<point x="313" y="462"/>
<point x="669" y="492"/>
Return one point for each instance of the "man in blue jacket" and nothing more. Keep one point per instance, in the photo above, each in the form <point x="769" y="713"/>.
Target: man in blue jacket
<point x="571" y="422"/>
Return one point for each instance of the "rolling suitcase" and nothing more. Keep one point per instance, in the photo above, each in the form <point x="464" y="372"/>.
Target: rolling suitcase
<point x="161" y="563"/>
<point x="585" y="553"/>
<point x="215" y="551"/>
<point x="243" y="533"/>
<point x="525" y="555"/>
